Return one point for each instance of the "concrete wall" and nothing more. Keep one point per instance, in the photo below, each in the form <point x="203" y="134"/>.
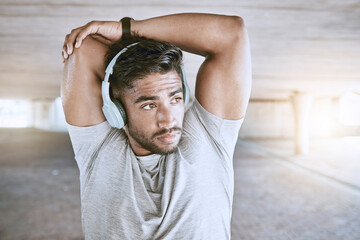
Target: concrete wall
<point x="276" y="119"/>
<point x="268" y="119"/>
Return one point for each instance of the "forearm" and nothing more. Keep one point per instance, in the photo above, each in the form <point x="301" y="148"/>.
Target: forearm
<point x="203" y="34"/>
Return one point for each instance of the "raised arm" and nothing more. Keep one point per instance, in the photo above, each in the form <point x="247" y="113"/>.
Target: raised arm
<point x="81" y="84"/>
<point x="223" y="82"/>
<point x="224" y="79"/>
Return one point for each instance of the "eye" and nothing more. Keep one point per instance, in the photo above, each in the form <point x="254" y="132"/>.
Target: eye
<point x="148" y="106"/>
<point x="176" y="99"/>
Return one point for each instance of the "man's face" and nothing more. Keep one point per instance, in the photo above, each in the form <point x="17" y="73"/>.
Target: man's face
<point x="155" y="111"/>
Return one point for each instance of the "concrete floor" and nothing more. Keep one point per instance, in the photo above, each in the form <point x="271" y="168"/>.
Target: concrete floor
<point x="275" y="196"/>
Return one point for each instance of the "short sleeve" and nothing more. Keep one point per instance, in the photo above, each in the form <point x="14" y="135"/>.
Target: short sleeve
<point x="222" y="132"/>
<point x="88" y="135"/>
<point x="86" y="141"/>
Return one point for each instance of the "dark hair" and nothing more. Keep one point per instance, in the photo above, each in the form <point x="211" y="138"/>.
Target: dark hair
<point x="147" y="57"/>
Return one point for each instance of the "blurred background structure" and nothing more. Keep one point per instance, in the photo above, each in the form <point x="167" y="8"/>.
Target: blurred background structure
<point x="297" y="161"/>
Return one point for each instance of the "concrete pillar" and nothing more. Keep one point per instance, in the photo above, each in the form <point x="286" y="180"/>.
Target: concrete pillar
<point x="268" y="119"/>
<point x="301" y="102"/>
<point x="57" y="116"/>
<point x="41" y="110"/>
<point x="48" y="114"/>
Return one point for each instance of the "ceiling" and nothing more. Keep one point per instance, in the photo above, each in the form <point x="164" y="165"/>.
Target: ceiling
<point x="298" y="45"/>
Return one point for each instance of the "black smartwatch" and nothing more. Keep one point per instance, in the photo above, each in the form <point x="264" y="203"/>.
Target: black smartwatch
<point x="126" y="31"/>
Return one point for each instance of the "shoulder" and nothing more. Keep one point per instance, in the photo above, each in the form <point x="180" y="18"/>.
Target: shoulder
<point x="95" y="136"/>
<point x="202" y="127"/>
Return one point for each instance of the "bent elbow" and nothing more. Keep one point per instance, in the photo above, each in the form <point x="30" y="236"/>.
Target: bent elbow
<point x="238" y="31"/>
<point x="238" y="22"/>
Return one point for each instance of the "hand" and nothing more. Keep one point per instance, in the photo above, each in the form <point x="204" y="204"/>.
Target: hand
<point x="106" y="32"/>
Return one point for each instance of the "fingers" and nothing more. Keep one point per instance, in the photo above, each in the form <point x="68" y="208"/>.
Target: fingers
<point x="64" y="49"/>
<point x="70" y="41"/>
<point x="90" y="28"/>
<point x="75" y="38"/>
<point x="62" y="56"/>
<point x="68" y="46"/>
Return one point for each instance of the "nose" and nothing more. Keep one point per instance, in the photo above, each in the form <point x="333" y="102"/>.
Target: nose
<point x="166" y="118"/>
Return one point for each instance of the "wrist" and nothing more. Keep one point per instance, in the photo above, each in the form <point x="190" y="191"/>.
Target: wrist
<point x="126" y="27"/>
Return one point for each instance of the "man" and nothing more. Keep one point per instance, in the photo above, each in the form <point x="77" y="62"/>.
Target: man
<point x="168" y="173"/>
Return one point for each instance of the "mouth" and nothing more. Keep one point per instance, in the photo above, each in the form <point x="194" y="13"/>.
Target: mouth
<point x="168" y="138"/>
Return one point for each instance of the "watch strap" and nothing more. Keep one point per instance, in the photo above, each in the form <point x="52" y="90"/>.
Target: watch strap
<point x="126" y="31"/>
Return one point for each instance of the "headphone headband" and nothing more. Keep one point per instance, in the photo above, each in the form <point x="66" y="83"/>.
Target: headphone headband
<point x="110" y="67"/>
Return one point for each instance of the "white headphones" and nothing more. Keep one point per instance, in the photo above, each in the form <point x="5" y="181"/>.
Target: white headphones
<point x="113" y="110"/>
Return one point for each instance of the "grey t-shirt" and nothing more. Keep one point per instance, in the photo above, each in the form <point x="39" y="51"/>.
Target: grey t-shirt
<point x="184" y="195"/>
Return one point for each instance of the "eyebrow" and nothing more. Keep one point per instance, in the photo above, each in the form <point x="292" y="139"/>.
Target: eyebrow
<point x="175" y="92"/>
<point x="144" y="98"/>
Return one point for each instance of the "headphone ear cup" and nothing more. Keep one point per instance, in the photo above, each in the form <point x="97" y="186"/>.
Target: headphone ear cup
<point x="113" y="110"/>
<point x="121" y="110"/>
<point x="113" y="115"/>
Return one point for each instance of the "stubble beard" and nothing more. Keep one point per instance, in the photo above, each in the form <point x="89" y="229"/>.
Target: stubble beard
<point x="149" y="144"/>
